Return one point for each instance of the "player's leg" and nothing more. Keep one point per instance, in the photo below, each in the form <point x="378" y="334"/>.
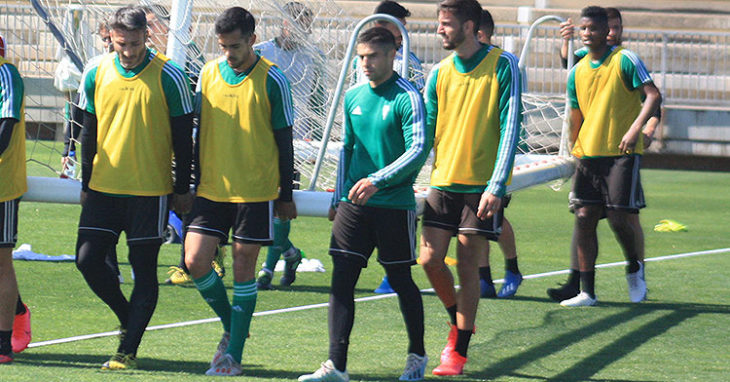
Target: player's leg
<point x="100" y="223"/>
<point x="252" y="228"/>
<point x="144" y="221"/>
<point x="8" y="282"/>
<point x="113" y="263"/>
<point x="571" y="287"/>
<point x="440" y="221"/>
<point x="512" y="275"/>
<point x="396" y="244"/>
<point x="350" y="247"/>
<point x="486" y="285"/>
<point x="8" y="297"/>
<point x="586" y="222"/>
<point x="180" y="274"/>
<point x="587" y="202"/>
<point x="625" y="198"/>
<point x="143" y="300"/>
<point x="209" y="224"/>
<point x="21" y="327"/>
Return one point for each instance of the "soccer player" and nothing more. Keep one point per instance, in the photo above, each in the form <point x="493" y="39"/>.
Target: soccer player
<point x="246" y="165"/>
<point x="506" y="241"/>
<point x="73" y="130"/>
<point x="473" y="98"/>
<point x="571" y="287"/>
<point x="386" y="142"/>
<point x="304" y="69"/>
<point x="607" y="116"/>
<point x="14" y="315"/>
<point x="415" y="71"/>
<point x="138" y="111"/>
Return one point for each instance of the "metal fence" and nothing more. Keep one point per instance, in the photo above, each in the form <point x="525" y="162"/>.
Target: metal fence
<point x="690" y="68"/>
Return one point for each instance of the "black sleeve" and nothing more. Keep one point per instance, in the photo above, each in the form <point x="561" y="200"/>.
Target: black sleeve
<point x="565" y="61"/>
<point x="285" y="144"/>
<point x="72" y="130"/>
<point x="182" y="145"/>
<point x="6" y="132"/>
<point x="88" y="149"/>
<point x="658" y="112"/>
<point x="196" y="153"/>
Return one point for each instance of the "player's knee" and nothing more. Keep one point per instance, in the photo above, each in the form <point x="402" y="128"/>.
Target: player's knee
<point x="587" y="216"/>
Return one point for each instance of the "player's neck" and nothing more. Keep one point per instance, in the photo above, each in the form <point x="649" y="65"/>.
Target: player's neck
<point x="375" y="84"/>
<point x="468" y="48"/>
<point x="598" y="52"/>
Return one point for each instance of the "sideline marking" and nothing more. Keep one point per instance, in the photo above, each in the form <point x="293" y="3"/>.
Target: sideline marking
<point x="361" y="299"/>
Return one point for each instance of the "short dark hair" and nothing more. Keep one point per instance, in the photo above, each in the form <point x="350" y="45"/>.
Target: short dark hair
<point x="614" y="13"/>
<point x="487" y="23"/>
<point x="129" y="18"/>
<point x="598" y="14"/>
<point x="463" y="10"/>
<point x="235" y="18"/>
<point x="377" y="36"/>
<point x="392" y="8"/>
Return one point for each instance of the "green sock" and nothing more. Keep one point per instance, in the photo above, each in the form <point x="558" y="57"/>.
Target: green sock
<point x="214" y="293"/>
<point x="281" y="243"/>
<point x="244" y="303"/>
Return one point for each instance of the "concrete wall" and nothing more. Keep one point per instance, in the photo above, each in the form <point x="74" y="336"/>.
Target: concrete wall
<point x="694" y="131"/>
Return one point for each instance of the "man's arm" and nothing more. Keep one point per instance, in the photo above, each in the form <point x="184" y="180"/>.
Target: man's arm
<point x="6" y="132"/>
<point x="418" y="140"/>
<point x="566" y="32"/>
<point x="576" y="121"/>
<point x="88" y="149"/>
<point x="510" y="118"/>
<point x="282" y="118"/>
<point x="12" y="91"/>
<point x="343" y="164"/>
<point x="636" y="76"/>
<point x="651" y="102"/>
<point x="651" y="125"/>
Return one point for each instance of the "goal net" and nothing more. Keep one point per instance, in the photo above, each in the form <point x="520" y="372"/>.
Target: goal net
<point x="317" y="29"/>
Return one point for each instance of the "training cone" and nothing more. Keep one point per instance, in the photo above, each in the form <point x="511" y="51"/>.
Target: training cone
<point x="384" y="287"/>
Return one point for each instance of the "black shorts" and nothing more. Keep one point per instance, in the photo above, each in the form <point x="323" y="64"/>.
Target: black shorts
<point x="358" y="230"/>
<point x="252" y="223"/>
<point x="142" y="218"/>
<point x="612" y="182"/>
<point x="9" y="223"/>
<point x="457" y="212"/>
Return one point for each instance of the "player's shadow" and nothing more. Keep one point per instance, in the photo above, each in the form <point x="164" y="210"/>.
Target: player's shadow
<point x="94" y="361"/>
<point x="590" y="364"/>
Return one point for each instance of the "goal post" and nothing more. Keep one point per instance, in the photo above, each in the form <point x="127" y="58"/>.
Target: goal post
<point x="189" y="33"/>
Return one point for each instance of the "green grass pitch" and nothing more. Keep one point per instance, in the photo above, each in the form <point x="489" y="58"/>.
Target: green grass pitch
<point x="679" y="334"/>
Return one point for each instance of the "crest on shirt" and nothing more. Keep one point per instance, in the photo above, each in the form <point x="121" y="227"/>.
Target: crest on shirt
<point x="386" y="109"/>
<point x="357" y="111"/>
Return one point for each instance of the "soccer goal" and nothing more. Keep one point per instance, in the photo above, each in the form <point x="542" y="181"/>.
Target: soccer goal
<point x="46" y="32"/>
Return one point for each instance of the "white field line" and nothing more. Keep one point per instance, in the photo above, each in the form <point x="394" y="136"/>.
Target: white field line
<point x="361" y="299"/>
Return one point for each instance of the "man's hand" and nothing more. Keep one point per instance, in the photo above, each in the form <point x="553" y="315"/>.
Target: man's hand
<point x="331" y="214"/>
<point x="362" y="191"/>
<point x="182" y="203"/>
<point x="285" y="210"/>
<point x="566" y="29"/>
<point x="488" y="205"/>
<point x="628" y="142"/>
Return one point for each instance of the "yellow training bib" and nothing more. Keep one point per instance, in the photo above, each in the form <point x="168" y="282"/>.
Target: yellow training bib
<point x="239" y="159"/>
<point x="608" y="106"/>
<point x="13" y="181"/>
<point x="467" y="125"/>
<point x="134" y="140"/>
